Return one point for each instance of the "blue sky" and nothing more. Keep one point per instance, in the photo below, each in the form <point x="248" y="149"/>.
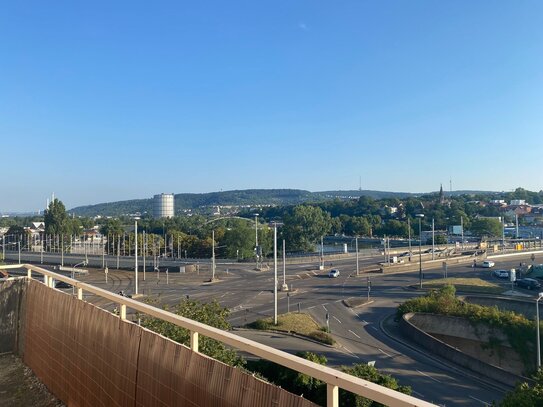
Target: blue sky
<point x="114" y="100"/>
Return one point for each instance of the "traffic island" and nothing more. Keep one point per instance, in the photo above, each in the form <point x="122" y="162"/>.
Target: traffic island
<point x="465" y="285"/>
<point x="295" y="323"/>
<point x="356" y="302"/>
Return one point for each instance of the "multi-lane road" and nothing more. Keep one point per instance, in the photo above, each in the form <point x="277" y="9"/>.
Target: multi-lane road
<point x="364" y="334"/>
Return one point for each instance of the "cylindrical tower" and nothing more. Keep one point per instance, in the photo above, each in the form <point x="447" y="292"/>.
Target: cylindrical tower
<point x="163" y="206"/>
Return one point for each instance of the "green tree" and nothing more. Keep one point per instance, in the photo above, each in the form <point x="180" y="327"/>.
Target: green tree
<point x="486" y="227"/>
<point x="56" y="219"/>
<point x="526" y="395"/>
<point x="239" y="240"/>
<point x="208" y="313"/>
<point x="304" y="226"/>
<point x="371" y="374"/>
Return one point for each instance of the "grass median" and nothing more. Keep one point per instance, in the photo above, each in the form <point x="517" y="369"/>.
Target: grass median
<point x="298" y="323"/>
<point x="465" y="285"/>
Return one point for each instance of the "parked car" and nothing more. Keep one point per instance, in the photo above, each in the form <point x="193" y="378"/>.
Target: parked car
<point x="501" y="273"/>
<point x="488" y="264"/>
<point x="333" y="273"/>
<point x="528" y="283"/>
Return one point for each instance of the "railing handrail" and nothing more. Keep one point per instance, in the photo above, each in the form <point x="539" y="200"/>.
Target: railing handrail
<point x="326" y="374"/>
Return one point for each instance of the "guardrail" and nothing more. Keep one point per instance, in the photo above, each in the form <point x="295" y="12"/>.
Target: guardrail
<point x="334" y="379"/>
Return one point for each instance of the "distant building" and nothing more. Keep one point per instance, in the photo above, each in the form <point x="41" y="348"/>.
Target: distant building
<point x="516" y="202"/>
<point x="163" y="206"/>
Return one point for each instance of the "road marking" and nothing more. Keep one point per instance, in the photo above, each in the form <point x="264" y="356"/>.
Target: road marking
<point x="350" y="353"/>
<point x="333" y="316"/>
<point x="259" y="293"/>
<point x="371" y="326"/>
<point x="339" y="301"/>
<point x="354" y="334"/>
<point x="326" y="309"/>
<point x="424" y="374"/>
<point x="421" y="396"/>
<point x="365" y="322"/>
<point x="381" y="350"/>
<point x="226" y="293"/>
<point x="480" y="401"/>
<point x="312" y="307"/>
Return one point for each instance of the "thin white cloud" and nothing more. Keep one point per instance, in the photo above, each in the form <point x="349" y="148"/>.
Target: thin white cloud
<point x="303" y="26"/>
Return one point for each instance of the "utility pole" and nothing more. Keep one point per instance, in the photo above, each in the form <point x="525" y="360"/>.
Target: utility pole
<point x="275" y="272"/>
<point x="433" y="238"/>
<point x="357" y="266"/>
<point x="420" y="216"/>
<point x="409" y="234"/>
<point x="516" y="226"/>
<point x="136" y="252"/>
<point x="284" y="287"/>
<point x="118" y="250"/>
<point x="213" y="255"/>
<point x="462" y="227"/>
<point x="144" y="244"/>
<point x="256" y="239"/>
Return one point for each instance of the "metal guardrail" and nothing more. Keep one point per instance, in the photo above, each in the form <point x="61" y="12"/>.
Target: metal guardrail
<point x="334" y="379"/>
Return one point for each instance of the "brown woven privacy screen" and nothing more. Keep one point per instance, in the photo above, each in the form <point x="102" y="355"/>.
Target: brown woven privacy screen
<point x="89" y="357"/>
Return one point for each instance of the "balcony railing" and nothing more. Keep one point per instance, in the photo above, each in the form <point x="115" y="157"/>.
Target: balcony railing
<point x="334" y="379"/>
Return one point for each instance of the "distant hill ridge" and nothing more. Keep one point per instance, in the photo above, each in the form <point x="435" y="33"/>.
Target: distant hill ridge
<point x="238" y="197"/>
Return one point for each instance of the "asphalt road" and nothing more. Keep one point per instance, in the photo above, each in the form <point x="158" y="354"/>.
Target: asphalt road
<point x="249" y="296"/>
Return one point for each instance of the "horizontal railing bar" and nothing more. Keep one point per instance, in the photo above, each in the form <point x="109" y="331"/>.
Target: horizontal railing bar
<point x="326" y="374"/>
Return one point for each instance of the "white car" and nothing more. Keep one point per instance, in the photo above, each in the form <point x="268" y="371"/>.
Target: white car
<point x="501" y="273"/>
<point x="334" y="273"/>
<point x="488" y="264"/>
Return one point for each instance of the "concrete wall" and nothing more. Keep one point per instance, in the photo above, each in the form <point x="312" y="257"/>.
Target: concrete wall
<point x="448" y="352"/>
<point x="11" y="296"/>
<point x="525" y="307"/>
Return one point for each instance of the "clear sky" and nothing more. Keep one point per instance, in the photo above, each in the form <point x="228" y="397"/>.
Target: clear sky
<point x="112" y="100"/>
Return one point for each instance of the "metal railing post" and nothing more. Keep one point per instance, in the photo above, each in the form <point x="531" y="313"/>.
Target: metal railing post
<point x="122" y="313"/>
<point x="332" y="395"/>
<point x="194" y="341"/>
<point x="29" y="273"/>
<point x="79" y="293"/>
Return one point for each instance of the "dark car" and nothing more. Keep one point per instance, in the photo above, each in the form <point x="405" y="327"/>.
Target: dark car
<point x="528" y="283"/>
<point x="62" y="284"/>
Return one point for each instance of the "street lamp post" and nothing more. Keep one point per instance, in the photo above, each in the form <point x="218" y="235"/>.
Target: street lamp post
<point x="537" y="330"/>
<point x="420" y="216"/>
<point x="136" y="252"/>
<point x="256" y="239"/>
<point x="83" y="263"/>
<point x="275" y="273"/>
<point x="357" y="266"/>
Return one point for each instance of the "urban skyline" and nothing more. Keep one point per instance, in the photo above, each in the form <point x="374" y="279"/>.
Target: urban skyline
<point x="106" y="102"/>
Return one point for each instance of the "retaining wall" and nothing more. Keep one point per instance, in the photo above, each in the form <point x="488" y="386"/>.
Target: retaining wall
<point x="442" y="349"/>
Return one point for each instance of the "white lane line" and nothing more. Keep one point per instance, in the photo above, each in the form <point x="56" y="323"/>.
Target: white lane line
<point x="416" y="393"/>
<point x="226" y="293"/>
<point x="382" y="351"/>
<point x="480" y="401"/>
<point x="364" y="322"/>
<point x="259" y="293"/>
<point x="311" y="307"/>
<point x="326" y="309"/>
<point x="424" y="374"/>
<point x="333" y="316"/>
<point x="338" y="301"/>
<point x="351" y="353"/>
<point x="371" y="326"/>
<point x="354" y="334"/>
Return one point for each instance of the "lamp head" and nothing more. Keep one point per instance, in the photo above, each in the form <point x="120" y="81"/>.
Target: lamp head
<point x="419" y="215"/>
<point x="540" y="296"/>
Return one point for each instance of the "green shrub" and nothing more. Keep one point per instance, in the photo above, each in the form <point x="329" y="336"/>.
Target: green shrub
<point x="260" y="324"/>
<point x="323" y="337"/>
